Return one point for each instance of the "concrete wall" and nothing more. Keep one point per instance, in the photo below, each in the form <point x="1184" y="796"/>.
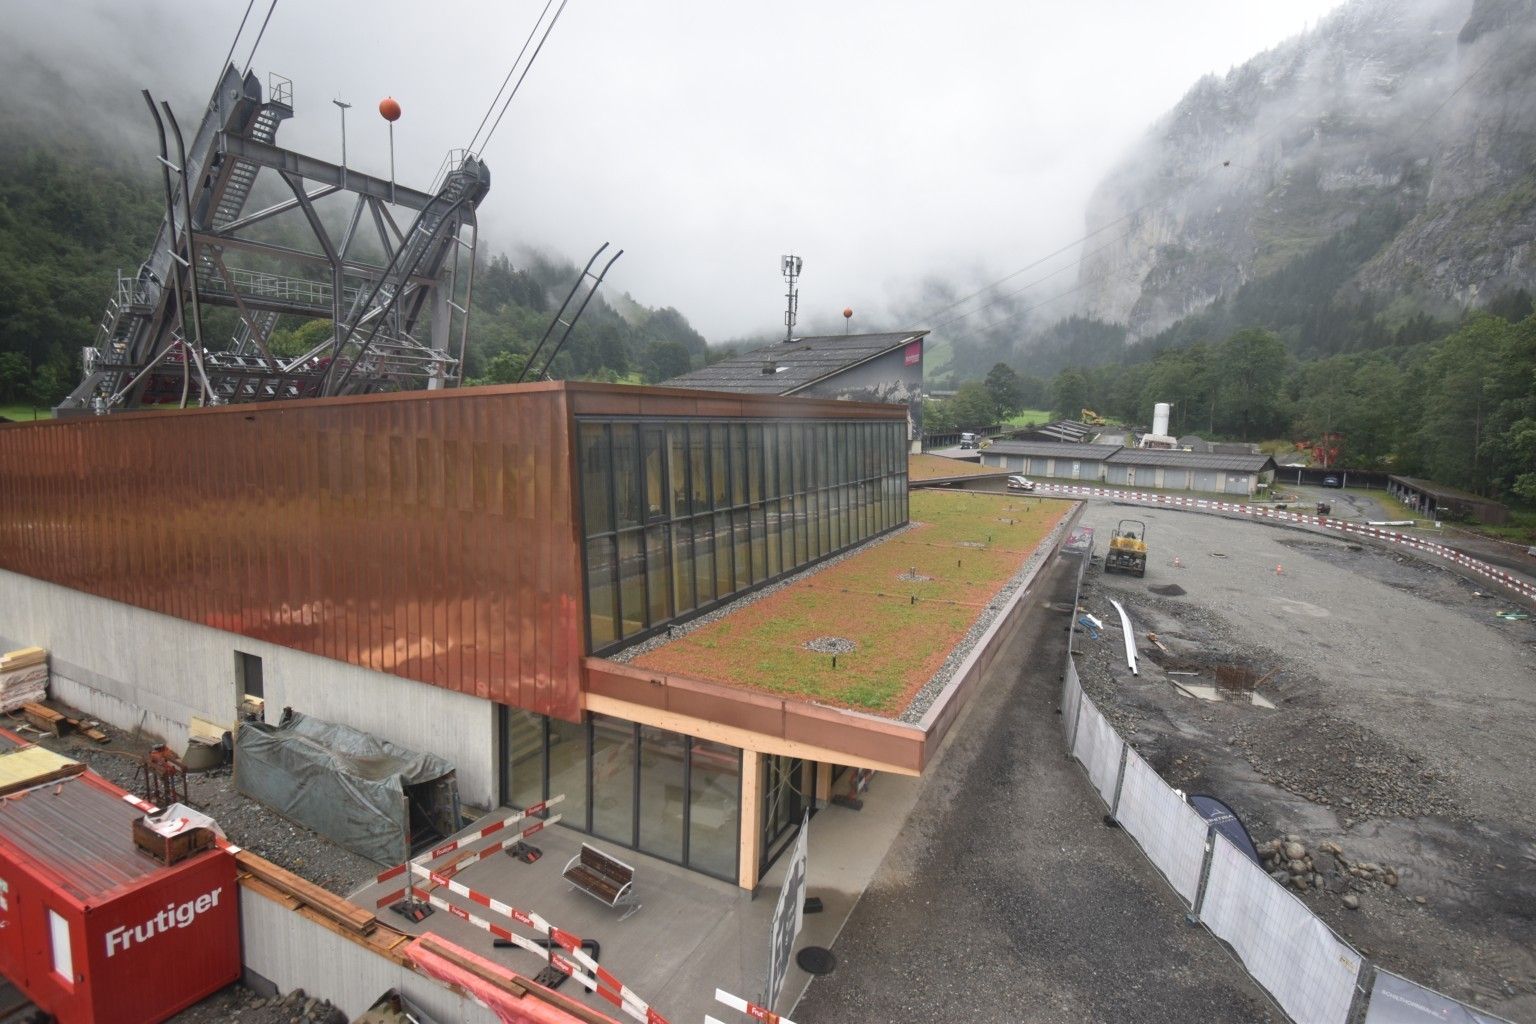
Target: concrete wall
<point x="140" y="669"/>
<point x="290" y="951"/>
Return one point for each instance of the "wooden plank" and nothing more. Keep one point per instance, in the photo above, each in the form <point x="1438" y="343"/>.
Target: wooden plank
<point x="343" y="912"/>
<point x="43" y="718"/>
<point x="26" y="657"/>
<point x="270" y="892"/>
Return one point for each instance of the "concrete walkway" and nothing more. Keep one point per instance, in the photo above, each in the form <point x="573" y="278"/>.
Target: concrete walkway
<point x="692" y="933"/>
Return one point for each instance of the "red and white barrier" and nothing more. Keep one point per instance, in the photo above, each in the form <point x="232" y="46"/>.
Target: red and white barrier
<point x="751" y="1009"/>
<point x="574" y="962"/>
<point x="441" y="851"/>
<point x="584" y="969"/>
<point x="1481" y="568"/>
<point x="489" y="830"/>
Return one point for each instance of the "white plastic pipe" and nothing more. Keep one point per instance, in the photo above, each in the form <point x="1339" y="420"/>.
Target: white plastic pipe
<point x="1130" y="638"/>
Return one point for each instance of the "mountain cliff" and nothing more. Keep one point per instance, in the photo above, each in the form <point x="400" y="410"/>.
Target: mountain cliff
<point x="1387" y="157"/>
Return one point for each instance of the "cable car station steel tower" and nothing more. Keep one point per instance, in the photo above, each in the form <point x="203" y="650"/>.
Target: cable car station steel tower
<point x="398" y="300"/>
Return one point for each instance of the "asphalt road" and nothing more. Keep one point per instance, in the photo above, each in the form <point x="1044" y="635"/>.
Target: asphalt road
<point x="1008" y="899"/>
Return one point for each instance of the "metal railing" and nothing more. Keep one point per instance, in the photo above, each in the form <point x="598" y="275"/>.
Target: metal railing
<point x="279" y="89"/>
<point x="297" y="291"/>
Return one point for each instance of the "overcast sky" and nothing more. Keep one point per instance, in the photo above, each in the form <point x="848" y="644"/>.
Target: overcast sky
<point x="883" y="141"/>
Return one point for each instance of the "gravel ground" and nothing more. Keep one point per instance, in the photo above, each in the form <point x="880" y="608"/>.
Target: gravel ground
<point x="247" y="823"/>
<point x="1007" y="899"/>
<point x="238" y="1003"/>
<point x="1401" y="732"/>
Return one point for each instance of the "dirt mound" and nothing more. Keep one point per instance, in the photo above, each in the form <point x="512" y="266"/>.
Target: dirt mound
<point x="1169" y="590"/>
<point x="1343" y="765"/>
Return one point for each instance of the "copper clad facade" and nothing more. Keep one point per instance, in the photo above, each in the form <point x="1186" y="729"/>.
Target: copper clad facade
<point x="428" y="534"/>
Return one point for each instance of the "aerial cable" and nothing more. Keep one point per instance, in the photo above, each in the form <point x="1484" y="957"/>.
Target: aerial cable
<point x="235" y="41"/>
<point x="1026" y="287"/>
<point x="252" y="55"/>
<point x="529" y="66"/>
<point x="510" y="72"/>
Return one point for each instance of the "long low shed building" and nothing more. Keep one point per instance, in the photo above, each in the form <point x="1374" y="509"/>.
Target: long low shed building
<point x="1157" y="468"/>
<point x="1049" y="458"/>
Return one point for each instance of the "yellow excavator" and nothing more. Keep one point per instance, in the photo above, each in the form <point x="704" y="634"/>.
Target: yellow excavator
<point x="1092" y="418"/>
<point x="1128" y="548"/>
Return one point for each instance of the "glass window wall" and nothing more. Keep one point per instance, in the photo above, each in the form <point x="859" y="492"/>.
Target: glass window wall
<point x="663" y="796"/>
<point x="714" y="807"/>
<point x="567" y="754"/>
<point x="661" y="792"/>
<point x="681" y="515"/>
<point x="523" y="751"/>
<point x="613" y="779"/>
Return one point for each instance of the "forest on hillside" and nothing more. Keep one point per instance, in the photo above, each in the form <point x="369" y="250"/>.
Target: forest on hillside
<point x="1458" y="406"/>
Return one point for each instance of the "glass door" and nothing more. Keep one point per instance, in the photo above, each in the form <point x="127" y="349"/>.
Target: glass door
<point x="786" y="795"/>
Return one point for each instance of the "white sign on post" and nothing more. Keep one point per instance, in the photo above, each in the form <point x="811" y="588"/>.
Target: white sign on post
<point x="788" y="915"/>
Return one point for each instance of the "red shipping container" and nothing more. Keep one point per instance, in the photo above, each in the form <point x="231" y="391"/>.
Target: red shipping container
<point x="95" y="931"/>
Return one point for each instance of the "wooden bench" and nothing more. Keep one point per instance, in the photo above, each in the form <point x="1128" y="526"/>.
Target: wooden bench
<point x="602" y="877"/>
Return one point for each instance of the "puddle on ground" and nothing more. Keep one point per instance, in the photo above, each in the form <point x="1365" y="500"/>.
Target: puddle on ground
<point x="1222" y="695"/>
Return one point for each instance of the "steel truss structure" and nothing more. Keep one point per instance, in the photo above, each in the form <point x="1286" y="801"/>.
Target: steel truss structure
<point x="397" y="300"/>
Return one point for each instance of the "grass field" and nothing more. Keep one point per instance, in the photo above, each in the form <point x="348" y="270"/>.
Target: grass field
<point x="24" y="413"/>
<point x="1521" y="527"/>
<point x="1029" y="417"/>
<point x="904" y="603"/>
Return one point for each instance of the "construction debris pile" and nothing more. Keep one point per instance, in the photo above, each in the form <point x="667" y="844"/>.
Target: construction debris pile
<point x="23" y="677"/>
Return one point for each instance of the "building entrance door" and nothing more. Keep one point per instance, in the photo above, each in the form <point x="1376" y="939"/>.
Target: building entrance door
<point x="789" y="783"/>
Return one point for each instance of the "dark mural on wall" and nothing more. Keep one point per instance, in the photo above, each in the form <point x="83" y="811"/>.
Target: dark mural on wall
<point x="896" y="377"/>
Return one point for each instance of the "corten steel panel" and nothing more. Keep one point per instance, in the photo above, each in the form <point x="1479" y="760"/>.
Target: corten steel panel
<point x="430" y="534"/>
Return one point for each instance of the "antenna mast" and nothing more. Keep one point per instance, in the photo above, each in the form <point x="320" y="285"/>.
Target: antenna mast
<point x="791" y="267"/>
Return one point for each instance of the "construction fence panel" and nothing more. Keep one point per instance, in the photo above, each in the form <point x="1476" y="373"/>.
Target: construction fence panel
<point x="1308" y="970"/>
<point x="1098" y="747"/>
<point x="1169" y="831"/>
<point x="1071" y="696"/>
<point x="1396" y="1000"/>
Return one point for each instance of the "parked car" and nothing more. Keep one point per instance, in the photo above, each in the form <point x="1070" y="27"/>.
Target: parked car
<point x="1020" y="483"/>
<point x="1331" y="481"/>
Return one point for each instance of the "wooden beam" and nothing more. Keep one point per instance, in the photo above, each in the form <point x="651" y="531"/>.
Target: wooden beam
<point x="343" y="912"/>
<point x="751" y="811"/>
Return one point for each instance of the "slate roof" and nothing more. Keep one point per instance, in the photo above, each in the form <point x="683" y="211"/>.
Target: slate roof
<point x="791" y="365"/>
<point x="1052" y="449"/>
<point x="1192" y="460"/>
